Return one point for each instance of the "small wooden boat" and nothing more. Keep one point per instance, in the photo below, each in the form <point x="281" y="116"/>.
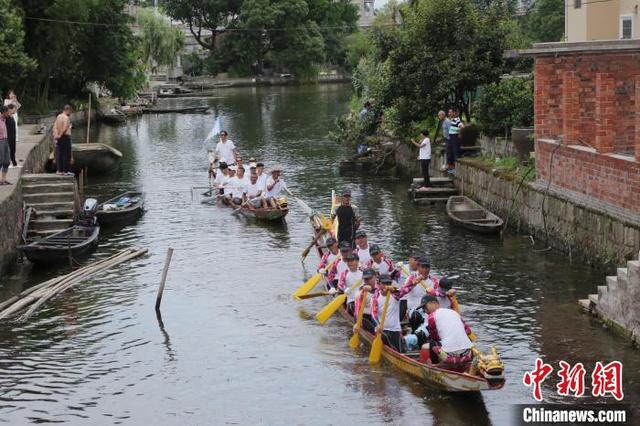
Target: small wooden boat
<point x="268" y="214"/>
<point x="97" y="158"/>
<point x="77" y="241"/>
<point x="471" y="215"/>
<point x="124" y="209"/>
<point x="485" y="373"/>
<point x="184" y="110"/>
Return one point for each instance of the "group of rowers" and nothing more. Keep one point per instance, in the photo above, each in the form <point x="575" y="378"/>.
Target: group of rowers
<point x="254" y="188"/>
<point x="422" y="310"/>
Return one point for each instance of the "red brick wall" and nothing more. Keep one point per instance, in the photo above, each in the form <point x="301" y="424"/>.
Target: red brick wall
<point x="611" y="180"/>
<point x="619" y="100"/>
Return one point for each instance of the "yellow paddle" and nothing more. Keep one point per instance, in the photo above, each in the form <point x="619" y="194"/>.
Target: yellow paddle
<point x="312" y="282"/>
<point x="376" y="346"/>
<point x="312" y="295"/>
<point x="326" y="312"/>
<point x="354" y="342"/>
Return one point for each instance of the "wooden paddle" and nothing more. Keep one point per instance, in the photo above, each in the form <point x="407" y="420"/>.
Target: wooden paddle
<point x="376" y="346"/>
<point x="326" y="312"/>
<point x="312" y="282"/>
<point x="306" y="251"/>
<point x="312" y="295"/>
<point x="354" y="342"/>
<point x="308" y="210"/>
<point x="236" y="211"/>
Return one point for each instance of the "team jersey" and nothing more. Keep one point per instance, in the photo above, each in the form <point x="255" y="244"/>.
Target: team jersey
<point x="447" y="327"/>
<point x="385" y="267"/>
<point x="363" y="254"/>
<point x="414" y="297"/>
<point x="338" y="268"/>
<point x="347" y="280"/>
<point x="326" y="260"/>
<point x="392" y="321"/>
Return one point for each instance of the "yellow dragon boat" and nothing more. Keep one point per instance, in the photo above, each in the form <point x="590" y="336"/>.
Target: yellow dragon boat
<point x="485" y="372"/>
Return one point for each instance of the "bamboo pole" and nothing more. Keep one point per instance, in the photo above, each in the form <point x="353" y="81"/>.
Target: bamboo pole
<point x="89" y="119"/>
<point x="165" y="270"/>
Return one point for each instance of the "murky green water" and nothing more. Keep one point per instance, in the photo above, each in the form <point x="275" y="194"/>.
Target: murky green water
<point x="233" y="347"/>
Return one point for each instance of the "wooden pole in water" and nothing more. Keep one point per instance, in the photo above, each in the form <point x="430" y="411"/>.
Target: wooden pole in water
<point x="167" y="261"/>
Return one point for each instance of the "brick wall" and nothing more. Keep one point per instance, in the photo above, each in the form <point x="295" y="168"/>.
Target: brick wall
<point x="588" y="84"/>
<point x="608" y="178"/>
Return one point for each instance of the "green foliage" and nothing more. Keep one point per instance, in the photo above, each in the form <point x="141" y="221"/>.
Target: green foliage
<point x="509" y="165"/>
<point x="159" y="39"/>
<point x="193" y="64"/>
<point x="504" y="105"/>
<point x="545" y="22"/>
<point x="14" y="62"/>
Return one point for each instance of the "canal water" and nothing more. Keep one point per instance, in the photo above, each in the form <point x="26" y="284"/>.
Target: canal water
<point x="232" y="346"/>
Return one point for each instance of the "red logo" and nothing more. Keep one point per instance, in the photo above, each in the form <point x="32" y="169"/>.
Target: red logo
<point x="607" y="380"/>
<point x="571" y="379"/>
<point x="536" y="377"/>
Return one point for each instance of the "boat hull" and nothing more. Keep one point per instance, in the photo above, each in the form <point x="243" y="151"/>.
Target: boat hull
<point x="121" y="217"/>
<point x="470" y="215"/>
<point x="96" y="158"/>
<point x="58" y="253"/>
<point x="268" y="215"/>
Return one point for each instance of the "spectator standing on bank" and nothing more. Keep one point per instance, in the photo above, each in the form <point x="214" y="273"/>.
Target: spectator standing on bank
<point x="445" y="124"/>
<point x="365" y="111"/>
<point x="62" y="139"/>
<point x="10" y="98"/>
<point x="12" y="133"/>
<point x="424" y="156"/>
<point x="454" y="137"/>
<point x="5" y="156"/>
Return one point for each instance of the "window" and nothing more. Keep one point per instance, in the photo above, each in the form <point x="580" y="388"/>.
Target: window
<point x="577" y="4"/>
<point x="626" y="27"/>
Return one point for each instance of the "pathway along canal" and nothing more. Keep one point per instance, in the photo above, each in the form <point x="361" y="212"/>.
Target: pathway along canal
<point x="234" y="346"/>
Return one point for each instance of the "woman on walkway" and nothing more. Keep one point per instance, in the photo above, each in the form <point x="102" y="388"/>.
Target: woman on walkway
<point x="5" y="155"/>
<point x="10" y="98"/>
<point x="12" y="133"/>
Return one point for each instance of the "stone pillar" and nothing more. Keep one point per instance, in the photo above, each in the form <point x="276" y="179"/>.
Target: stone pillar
<point x="605" y="112"/>
<point x="570" y="107"/>
<point x="544" y="71"/>
<point x="636" y="139"/>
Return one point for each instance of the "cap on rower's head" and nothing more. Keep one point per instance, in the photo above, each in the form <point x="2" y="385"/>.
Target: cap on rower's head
<point x="385" y="279"/>
<point x="352" y="257"/>
<point x="331" y="241"/>
<point x="428" y="298"/>
<point x="252" y="159"/>
<point x="259" y="164"/>
<point x="223" y="165"/>
<point x="424" y="261"/>
<point x="360" y="233"/>
<point x="447" y="282"/>
<point x="346" y="193"/>
<point x="233" y="168"/>
<point x="252" y="165"/>
<point x="276" y="169"/>
<point x="345" y="246"/>
<point x="374" y="249"/>
<point x="368" y="273"/>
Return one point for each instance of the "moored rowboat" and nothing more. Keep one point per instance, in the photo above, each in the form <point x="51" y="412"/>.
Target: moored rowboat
<point x="124" y="209"/>
<point x="268" y="214"/>
<point x="74" y="242"/>
<point x="471" y="215"/>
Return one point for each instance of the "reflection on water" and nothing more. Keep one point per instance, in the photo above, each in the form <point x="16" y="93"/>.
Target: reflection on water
<point x="231" y="345"/>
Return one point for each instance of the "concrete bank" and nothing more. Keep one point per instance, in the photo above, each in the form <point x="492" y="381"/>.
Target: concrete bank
<point x="576" y="228"/>
<point x="32" y="153"/>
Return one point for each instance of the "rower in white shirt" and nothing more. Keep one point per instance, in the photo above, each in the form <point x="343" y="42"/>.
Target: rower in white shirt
<point x="262" y="176"/>
<point x="222" y="178"/>
<point x="236" y="187"/>
<point x="275" y="186"/>
<point x="362" y="248"/>
<point x="225" y="149"/>
<point x="254" y="193"/>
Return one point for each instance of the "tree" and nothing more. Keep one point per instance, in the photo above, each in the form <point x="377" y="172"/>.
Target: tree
<point x="504" y="105"/>
<point x="160" y="40"/>
<point x="14" y="62"/>
<point x="545" y="22"/>
<point x="206" y="18"/>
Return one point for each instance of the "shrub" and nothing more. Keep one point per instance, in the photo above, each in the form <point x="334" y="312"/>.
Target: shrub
<point x="504" y="105"/>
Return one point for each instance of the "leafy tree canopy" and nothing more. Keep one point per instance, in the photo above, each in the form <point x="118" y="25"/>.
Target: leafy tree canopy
<point x="159" y="39"/>
<point x="14" y="62"/>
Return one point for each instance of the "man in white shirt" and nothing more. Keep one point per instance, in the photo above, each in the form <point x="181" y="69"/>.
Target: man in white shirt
<point x="226" y="150"/>
<point x="254" y="193"/>
<point x="237" y="186"/>
<point x="275" y="186"/>
<point x="222" y="178"/>
<point x="262" y="177"/>
<point x="424" y="156"/>
<point x="362" y="247"/>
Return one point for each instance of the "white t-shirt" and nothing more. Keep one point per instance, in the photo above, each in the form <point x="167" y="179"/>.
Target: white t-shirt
<point x="262" y="181"/>
<point x="253" y="189"/>
<point x="414" y="297"/>
<point x="425" y="149"/>
<point x="392" y="321"/>
<point x="277" y="189"/>
<point x="350" y="279"/>
<point x="221" y="180"/>
<point x="451" y="330"/>
<point x="236" y="187"/>
<point x="364" y="255"/>
<point x="225" y="151"/>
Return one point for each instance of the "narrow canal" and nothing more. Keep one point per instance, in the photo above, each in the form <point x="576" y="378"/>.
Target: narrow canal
<point x="232" y="346"/>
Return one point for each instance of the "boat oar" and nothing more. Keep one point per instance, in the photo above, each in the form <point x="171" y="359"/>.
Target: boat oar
<point x="312" y="282"/>
<point x="306" y="251"/>
<point x="312" y="295"/>
<point x="236" y="211"/>
<point x="308" y="210"/>
<point x="354" y="342"/>
<point x="326" y="312"/>
<point x="376" y="346"/>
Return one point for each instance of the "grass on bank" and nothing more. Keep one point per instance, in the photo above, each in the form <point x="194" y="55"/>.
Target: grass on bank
<point x="507" y="165"/>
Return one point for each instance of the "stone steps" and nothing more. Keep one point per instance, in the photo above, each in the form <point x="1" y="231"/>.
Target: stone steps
<point x="45" y="178"/>
<point x="50" y="224"/>
<point x="435" y="181"/>
<point x="54" y="214"/>
<point x="47" y="188"/>
<point x="56" y="197"/>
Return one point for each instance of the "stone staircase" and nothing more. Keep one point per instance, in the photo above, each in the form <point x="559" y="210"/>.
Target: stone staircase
<point x="54" y="200"/>
<point x="616" y="303"/>
<point x="442" y="188"/>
